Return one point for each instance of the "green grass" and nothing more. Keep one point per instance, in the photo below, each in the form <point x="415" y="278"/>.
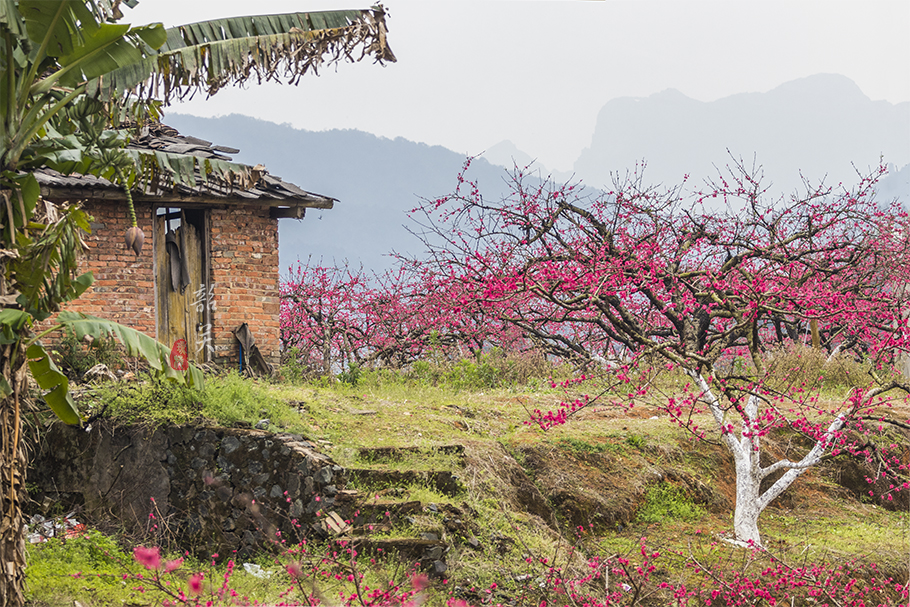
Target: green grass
<point x="431" y="407"/>
<point x="582" y="447"/>
<point x="637" y="441"/>
<point x="96" y="571"/>
<point x="53" y="566"/>
<point x="399" y="414"/>
<point x="424" y="459"/>
<point x="668" y="502"/>
<point x="872" y="531"/>
<point x="225" y="400"/>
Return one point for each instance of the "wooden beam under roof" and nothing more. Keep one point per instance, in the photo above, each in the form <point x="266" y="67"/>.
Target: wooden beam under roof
<point x="237" y="198"/>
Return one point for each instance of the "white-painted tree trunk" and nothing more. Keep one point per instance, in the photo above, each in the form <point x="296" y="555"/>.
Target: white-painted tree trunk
<point x="904" y="357"/>
<point x="746" y="452"/>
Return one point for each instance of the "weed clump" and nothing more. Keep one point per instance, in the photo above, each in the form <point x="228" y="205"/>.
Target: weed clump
<point x="798" y="364"/>
<point x="580" y="447"/>
<point x="668" y="502"/>
<point x="495" y="369"/>
<point x="153" y="402"/>
<point x="59" y="570"/>
<point x="75" y="357"/>
<point x="226" y="400"/>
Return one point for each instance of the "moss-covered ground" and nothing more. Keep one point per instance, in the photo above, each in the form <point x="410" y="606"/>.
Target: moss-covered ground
<point x="599" y="486"/>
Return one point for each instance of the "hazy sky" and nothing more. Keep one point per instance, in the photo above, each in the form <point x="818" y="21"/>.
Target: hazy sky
<point x="473" y="73"/>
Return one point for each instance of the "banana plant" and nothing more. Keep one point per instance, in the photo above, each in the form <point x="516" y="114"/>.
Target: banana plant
<point x="68" y="71"/>
<point x="50" y="52"/>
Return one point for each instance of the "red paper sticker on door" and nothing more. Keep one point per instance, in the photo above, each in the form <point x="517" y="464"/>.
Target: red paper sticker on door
<point x="180" y="359"/>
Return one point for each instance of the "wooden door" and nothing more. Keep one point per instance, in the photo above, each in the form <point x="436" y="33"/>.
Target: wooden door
<point x="183" y="285"/>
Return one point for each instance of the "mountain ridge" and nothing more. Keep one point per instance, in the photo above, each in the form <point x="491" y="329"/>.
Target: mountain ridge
<point x="378" y="179"/>
<point x="815" y="126"/>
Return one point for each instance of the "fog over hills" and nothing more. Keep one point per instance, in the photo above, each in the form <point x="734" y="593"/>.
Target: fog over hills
<point x="820" y="126"/>
<point x="817" y="125"/>
<point x="895" y="185"/>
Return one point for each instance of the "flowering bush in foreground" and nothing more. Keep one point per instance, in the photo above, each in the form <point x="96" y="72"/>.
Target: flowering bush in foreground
<point x="717" y="576"/>
<point x="703" y="571"/>
<point x="330" y="578"/>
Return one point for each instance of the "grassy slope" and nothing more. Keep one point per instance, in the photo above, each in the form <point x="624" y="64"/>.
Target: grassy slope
<point x="606" y="460"/>
<point x="621" y="475"/>
<point x="598" y="470"/>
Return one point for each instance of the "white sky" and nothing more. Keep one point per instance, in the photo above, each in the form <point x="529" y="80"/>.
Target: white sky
<point x="473" y="73"/>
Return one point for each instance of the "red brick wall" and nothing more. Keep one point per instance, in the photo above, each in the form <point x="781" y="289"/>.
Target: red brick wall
<point x="124" y="287"/>
<point x="244" y="262"/>
<point x="245" y="278"/>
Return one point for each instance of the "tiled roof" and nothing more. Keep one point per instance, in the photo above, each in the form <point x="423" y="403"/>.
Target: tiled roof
<point x="268" y="189"/>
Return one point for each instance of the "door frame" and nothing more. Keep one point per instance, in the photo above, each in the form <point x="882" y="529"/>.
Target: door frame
<point x="205" y="226"/>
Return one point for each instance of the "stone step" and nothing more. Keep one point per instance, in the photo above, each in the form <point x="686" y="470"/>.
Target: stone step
<point x="427" y="551"/>
<point x="432" y="528"/>
<point x="383" y="510"/>
<point x="445" y="482"/>
<point x="362" y="508"/>
<point x="378" y="514"/>
<point x="394" y="454"/>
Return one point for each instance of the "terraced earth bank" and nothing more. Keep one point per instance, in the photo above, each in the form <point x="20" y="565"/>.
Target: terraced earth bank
<point x="213" y="489"/>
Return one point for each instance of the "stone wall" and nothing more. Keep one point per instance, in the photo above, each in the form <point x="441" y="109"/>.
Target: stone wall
<point x="210" y="489"/>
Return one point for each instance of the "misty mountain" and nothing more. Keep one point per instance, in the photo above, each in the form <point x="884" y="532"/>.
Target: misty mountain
<point x="507" y="155"/>
<point x="376" y="180"/>
<point x="895" y="185"/>
<point x="819" y="127"/>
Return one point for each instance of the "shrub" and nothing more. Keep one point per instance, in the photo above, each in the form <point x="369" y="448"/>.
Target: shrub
<point x="352" y="375"/>
<point x="494" y="369"/>
<point x="232" y="398"/>
<point x="580" y="447"/>
<point x="153" y="402"/>
<point x="292" y="369"/>
<point x="636" y="440"/>
<point x="53" y="567"/>
<point x="75" y="357"/>
<point x="799" y="364"/>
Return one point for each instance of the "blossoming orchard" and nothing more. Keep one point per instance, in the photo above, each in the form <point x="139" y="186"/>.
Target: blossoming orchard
<point x="637" y="282"/>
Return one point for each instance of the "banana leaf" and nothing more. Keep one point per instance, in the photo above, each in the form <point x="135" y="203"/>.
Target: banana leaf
<point x="210" y="55"/>
<point x="135" y="342"/>
<point x="50" y="378"/>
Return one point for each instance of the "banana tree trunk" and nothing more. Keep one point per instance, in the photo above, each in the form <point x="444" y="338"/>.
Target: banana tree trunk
<point x="12" y="471"/>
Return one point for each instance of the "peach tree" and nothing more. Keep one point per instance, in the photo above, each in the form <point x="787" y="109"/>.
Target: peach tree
<point x="702" y="284"/>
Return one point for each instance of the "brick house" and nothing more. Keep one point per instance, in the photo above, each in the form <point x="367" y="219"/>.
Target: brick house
<point x="210" y="260"/>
